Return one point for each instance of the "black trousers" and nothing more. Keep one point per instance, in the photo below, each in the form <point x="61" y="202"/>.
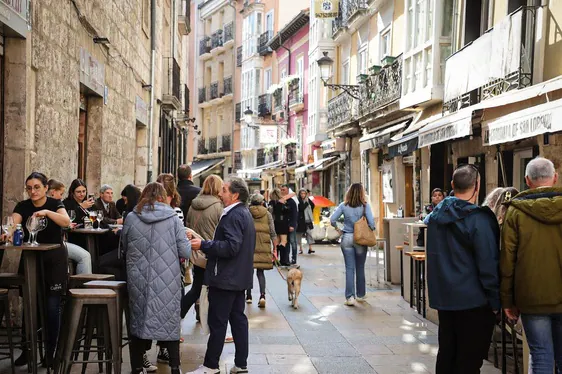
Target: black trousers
<point x="139" y="346"/>
<point x="227" y="306"/>
<point x="464" y="340"/>
<point x="193" y="295"/>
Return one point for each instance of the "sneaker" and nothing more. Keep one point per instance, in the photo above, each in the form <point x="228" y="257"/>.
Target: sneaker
<point x="350" y="301"/>
<point x="310" y="251"/>
<point x="361" y="299"/>
<point x="147" y="365"/>
<point x="21" y="360"/>
<point x="229" y="339"/>
<point x="164" y="356"/>
<point x="261" y="303"/>
<point x="140" y="371"/>
<point x="248" y="299"/>
<point x="237" y="370"/>
<point x="204" y="370"/>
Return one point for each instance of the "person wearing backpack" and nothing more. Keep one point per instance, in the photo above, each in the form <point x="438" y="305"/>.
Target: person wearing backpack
<point x="354" y="207"/>
<point x="463" y="275"/>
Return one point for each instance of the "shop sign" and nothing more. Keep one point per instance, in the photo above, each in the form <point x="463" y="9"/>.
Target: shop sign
<point x="13" y="13"/>
<point x="92" y="73"/>
<point x="524" y="124"/>
<point x="141" y="111"/>
<point x="268" y="134"/>
<point x="403" y="148"/>
<point x="329" y="146"/>
<point x="326" y="8"/>
<point x="454" y="130"/>
<point x="381" y="141"/>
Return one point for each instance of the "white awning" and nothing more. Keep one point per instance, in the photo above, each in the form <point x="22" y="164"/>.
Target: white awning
<point x="201" y="166"/>
<point x="451" y="126"/>
<point x="317" y="164"/>
<point x="379" y="138"/>
<point x="258" y="170"/>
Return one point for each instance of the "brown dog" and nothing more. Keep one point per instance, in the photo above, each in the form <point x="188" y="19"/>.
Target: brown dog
<point x="294" y="279"/>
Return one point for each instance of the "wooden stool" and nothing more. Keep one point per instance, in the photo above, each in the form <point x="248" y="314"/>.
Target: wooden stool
<point x="401" y="248"/>
<point x="78" y="280"/>
<point x="5" y="311"/>
<point x="89" y="299"/>
<point x="419" y="261"/>
<point x="11" y="280"/>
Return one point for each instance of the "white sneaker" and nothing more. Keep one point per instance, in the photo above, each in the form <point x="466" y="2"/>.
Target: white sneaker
<point x="350" y="301"/>
<point x="204" y="370"/>
<point x="362" y="299"/>
<point x="147" y="365"/>
<point x="237" y="370"/>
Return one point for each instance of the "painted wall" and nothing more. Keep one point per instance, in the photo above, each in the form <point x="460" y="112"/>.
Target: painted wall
<point x="553" y="42"/>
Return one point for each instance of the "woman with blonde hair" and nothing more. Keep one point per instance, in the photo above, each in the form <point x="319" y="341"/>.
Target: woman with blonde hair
<point x="496" y="198"/>
<point x="353" y="208"/>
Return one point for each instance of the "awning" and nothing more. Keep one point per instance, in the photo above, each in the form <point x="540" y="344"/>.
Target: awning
<point x="326" y="165"/>
<point x="536" y="120"/>
<point x="199" y="167"/>
<point x="379" y="138"/>
<point x="256" y="172"/>
<point x="315" y="165"/>
<point x="403" y="146"/>
<point x="451" y="126"/>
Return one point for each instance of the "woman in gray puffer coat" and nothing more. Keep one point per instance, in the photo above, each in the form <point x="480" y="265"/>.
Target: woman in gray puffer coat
<point x="154" y="239"/>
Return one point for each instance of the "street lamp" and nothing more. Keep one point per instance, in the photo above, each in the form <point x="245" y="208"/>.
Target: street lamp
<point x="248" y="116"/>
<point x="325" y="64"/>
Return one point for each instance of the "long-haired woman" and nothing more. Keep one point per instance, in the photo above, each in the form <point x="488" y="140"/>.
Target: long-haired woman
<point x="496" y="198"/>
<point x="280" y="212"/>
<point x="78" y="201"/>
<point x="169" y="183"/>
<point x="153" y="240"/>
<point x="353" y="208"/>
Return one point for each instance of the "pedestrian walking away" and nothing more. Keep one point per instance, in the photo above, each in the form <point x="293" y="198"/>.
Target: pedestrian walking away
<point x="229" y="274"/>
<point x="289" y="198"/>
<point x="280" y="212"/>
<point x="463" y="277"/>
<point x="187" y="190"/>
<point x="304" y="223"/>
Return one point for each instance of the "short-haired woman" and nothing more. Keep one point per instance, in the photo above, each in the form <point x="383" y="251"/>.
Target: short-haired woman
<point x="353" y="208"/>
<point x="153" y="240"/>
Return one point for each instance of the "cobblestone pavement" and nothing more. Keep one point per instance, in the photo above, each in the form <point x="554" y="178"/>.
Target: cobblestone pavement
<point x="323" y="336"/>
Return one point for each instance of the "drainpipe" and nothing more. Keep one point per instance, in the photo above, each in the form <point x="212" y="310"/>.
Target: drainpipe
<point x="234" y="49"/>
<point x="152" y="78"/>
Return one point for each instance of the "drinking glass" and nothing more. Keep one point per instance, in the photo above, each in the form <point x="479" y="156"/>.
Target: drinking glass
<point x="92" y="215"/>
<point x="72" y="215"/>
<point x="7" y="226"/>
<point x="29" y="224"/>
<point x="40" y="226"/>
<point x="99" y="218"/>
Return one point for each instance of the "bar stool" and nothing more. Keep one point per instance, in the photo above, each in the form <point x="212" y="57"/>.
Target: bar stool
<point x="90" y="300"/>
<point x="401" y="249"/>
<point x="5" y="311"/>
<point x="419" y="261"/>
<point x="78" y="280"/>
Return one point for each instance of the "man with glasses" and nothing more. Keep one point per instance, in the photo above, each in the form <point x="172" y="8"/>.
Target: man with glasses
<point x="462" y="274"/>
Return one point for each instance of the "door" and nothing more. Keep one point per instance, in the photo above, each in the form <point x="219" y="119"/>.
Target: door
<point x="409" y="177"/>
<point x="520" y="160"/>
<point x="269" y="22"/>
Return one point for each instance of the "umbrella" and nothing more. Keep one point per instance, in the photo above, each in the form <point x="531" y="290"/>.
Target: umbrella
<point x="322" y="202"/>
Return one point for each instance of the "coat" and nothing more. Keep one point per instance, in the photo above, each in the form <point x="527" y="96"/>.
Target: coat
<point x="531" y="255"/>
<point x="263" y="259"/>
<point x="188" y="192"/>
<point x="305" y="215"/>
<point x="230" y="255"/>
<point x="111" y="215"/>
<point x="462" y="256"/>
<point x="153" y="243"/>
<point x="203" y="218"/>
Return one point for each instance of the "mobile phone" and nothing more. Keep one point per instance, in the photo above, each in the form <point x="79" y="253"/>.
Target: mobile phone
<point x="91" y="196"/>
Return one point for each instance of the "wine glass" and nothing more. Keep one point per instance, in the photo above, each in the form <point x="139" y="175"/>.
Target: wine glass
<point x="7" y="226"/>
<point x="92" y="215"/>
<point x="72" y="215"/>
<point x="29" y="224"/>
<point x="99" y="218"/>
<point x="40" y="226"/>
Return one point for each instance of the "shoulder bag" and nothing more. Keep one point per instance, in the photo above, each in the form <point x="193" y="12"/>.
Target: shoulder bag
<point x="362" y="233"/>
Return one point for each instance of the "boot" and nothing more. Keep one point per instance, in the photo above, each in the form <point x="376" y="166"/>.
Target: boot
<point x="283" y="255"/>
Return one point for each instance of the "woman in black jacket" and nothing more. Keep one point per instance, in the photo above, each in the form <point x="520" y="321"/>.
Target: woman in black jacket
<point x="304" y="223"/>
<point x="279" y="209"/>
<point x="78" y="202"/>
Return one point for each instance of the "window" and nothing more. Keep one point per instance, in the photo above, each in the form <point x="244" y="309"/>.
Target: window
<point x="362" y="60"/>
<point x="266" y="80"/>
<point x="385" y="43"/>
<point x="300" y="144"/>
<point x="251" y="30"/>
<point x="300" y="73"/>
<point x="269" y="21"/>
<point x="344" y="79"/>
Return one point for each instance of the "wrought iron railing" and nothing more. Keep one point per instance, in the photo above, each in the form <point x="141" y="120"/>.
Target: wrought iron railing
<point x="216" y="39"/>
<point x="290" y="153"/>
<point x="228" y="32"/>
<point x="204" y="45"/>
<point x="382" y="88"/>
<point x="339" y="110"/>
<point x="239" y="56"/>
<point x="201" y="149"/>
<point x="186" y="96"/>
<point x="237" y="161"/>
<point x="227" y="86"/>
<point x="260" y="157"/>
<point x="213" y="144"/>
<point x="264" y="105"/>
<point x="353" y="8"/>
<point x="225" y="143"/>
<point x="238" y="112"/>
<point x="202" y="94"/>
<point x="272" y="155"/>
<point x="295" y="97"/>
<point x="214" y="91"/>
<point x="278" y="98"/>
<point x="263" y="49"/>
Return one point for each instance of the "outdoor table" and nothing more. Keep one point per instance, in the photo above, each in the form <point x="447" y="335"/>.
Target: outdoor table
<point x="91" y="243"/>
<point x="30" y="292"/>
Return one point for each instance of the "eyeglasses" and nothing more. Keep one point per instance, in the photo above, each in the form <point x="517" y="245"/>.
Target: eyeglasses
<point x="34" y="188"/>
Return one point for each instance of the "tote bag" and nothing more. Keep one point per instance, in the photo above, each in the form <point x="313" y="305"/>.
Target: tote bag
<point x="204" y="309"/>
<point x="362" y="233"/>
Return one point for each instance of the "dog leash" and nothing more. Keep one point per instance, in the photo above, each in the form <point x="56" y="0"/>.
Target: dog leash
<point x="276" y="262"/>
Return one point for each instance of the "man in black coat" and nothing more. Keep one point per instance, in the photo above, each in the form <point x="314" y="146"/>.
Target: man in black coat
<point x="186" y="189"/>
<point x="230" y="262"/>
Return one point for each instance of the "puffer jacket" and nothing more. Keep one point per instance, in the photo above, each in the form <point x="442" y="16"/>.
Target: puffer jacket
<point x="263" y="259"/>
<point x="531" y="255"/>
<point x="153" y="242"/>
<point x="203" y="218"/>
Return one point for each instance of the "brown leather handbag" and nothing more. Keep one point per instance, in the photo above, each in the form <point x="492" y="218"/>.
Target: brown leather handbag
<point x="362" y="233"/>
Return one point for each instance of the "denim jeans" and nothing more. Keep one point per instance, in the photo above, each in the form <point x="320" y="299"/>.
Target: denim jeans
<point x="544" y="336"/>
<point x="81" y="257"/>
<point x="294" y="246"/>
<point x="354" y="256"/>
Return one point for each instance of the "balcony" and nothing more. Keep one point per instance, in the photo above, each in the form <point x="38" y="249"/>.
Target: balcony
<point x="184" y="23"/>
<point x="171" y="93"/>
<point x="227" y="88"/>
<point x="272" y="154"/>
<point x="499" y="61"/>
<point x="291" y="153"/>
<point x="217" y="42"/>
<point x="382" y="88"/>
<point x="225" y="147"/>
<point x="260" y="157"/>
<point x="201" y="148"/>
<point x="239" y="56"/>
<point x="205" y="48"/>
<point x="263" y="49"/>
<point x="229" y="35"/>
<point x="296" y="100"/>
<point x="214" y="91"/>
<point x="202" y="95"/>
<point x="264" y="105"/>
<point x="349" y="12"/>
<point x="278" y="99"/>
<point x="213" y="144"/>
<point x="340" y="110"/>
<point x="238" y="112"/>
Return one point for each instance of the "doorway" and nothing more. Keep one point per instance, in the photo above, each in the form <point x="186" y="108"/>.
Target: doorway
<point x="409" y="178"/>
<point x="520" y="160"/>
<point x="82" y="137"/>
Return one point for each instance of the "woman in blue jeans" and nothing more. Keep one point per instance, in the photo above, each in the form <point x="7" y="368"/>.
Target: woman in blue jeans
<point x="353" y="208"/>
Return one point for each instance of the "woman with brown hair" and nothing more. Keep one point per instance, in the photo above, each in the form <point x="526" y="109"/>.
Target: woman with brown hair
<point x="353" y="208"/>
<point x="153" y="240"/>
<point x="280" y="212"/>
<point x="169" y="183"/>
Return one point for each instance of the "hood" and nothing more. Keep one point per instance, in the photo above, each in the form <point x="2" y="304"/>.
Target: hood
<point x="451" y="210"/>
<point x="160" y="212"/>
<point x="543" y="204"/>
<point x="258" y="211"/>
<point x="203" y="202"/>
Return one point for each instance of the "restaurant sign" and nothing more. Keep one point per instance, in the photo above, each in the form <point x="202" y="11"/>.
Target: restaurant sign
<point x="326" y="8"/>
<point x="141" y="111"/>
<point x="13" y="13"/>
<point x="453" y="130"/>
<point x="92" y="73"/>
<point x="537" y="120"/>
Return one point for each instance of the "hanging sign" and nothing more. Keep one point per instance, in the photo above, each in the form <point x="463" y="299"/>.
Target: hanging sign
<point x="268" y="134"/>
<point x="326" y="8"/>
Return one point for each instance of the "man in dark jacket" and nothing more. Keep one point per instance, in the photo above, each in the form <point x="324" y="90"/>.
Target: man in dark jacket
<point x="230" y="262"/>
<point x="105" y="202"/>
<point x="186" y="189"/>
<point x="463" y="274"/>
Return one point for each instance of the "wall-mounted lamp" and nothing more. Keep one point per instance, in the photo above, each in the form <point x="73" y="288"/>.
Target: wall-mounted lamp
<point x="325" y="64"/>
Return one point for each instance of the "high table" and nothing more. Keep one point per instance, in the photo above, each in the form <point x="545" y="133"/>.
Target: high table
<point x="30" y="292"/>
<point x="91" y="243"/>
